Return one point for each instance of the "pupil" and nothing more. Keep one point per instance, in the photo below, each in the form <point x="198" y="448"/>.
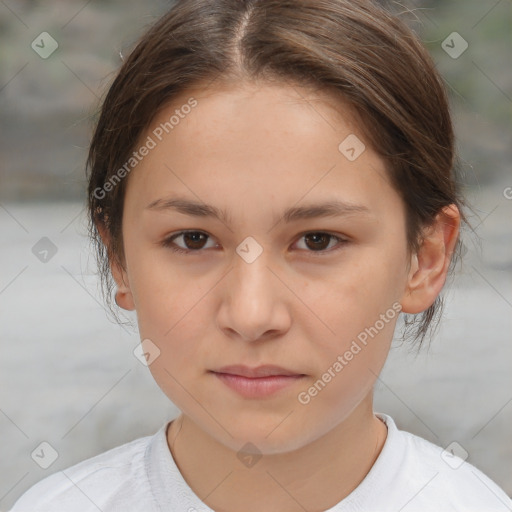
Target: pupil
<point x="318" y="237"/>
<point x="196" y="241"/>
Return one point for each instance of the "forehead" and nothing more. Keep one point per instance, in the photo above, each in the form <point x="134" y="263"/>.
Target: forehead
<point x="256" y="142"/>
<point x="250" y="106"/>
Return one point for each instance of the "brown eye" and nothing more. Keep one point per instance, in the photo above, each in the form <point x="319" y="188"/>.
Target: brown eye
<point x="193" y="241"/>
<point x="320" y="242"/>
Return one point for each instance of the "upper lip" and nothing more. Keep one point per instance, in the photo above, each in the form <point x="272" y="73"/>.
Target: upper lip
<point x="265" y="370"/>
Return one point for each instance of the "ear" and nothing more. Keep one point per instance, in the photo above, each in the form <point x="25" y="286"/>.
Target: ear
<point x="124" y="297"/>
<point x="429" y="266"/>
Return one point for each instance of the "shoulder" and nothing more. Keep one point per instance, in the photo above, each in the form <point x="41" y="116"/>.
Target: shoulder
<point x="441" y="478"/>
<point x="114" y="478"/>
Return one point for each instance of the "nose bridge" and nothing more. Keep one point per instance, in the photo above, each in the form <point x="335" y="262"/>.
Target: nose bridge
<point x="252" y="277"/>
<point x="251" y="303"/>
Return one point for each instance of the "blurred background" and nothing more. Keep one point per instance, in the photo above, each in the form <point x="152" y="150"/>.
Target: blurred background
<point x="68" y="374"/>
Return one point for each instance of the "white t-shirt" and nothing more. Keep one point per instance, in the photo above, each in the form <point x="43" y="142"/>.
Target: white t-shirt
<point x="409" y="475"/>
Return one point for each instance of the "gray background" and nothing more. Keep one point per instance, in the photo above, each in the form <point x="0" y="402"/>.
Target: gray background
<point x="68" y="374"/>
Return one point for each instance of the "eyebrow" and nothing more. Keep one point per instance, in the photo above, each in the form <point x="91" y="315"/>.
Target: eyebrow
<point x="333" y="208"/>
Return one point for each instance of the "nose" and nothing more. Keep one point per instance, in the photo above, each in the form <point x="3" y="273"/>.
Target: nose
<point x="254" y="301"/>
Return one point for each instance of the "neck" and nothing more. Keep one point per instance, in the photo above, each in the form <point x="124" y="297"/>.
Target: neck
<point x="314" y="477"/>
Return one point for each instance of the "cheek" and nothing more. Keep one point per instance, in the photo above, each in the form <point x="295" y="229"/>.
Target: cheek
<point x="162" y="291"/>
<point x="359" y="304"/>
<point x="180" y="327"/>
<point x="362" y="310"/>
<point x="352" y="297"/>
<point x="174" y="312"/>
<point x="168" y="309"/>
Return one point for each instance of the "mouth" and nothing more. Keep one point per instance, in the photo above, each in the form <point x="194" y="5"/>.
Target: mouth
<point x="256" y="382"/>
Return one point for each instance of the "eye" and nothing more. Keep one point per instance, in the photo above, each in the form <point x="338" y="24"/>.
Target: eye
<point x="319" y="241"/>
<point x="194" y="241"/>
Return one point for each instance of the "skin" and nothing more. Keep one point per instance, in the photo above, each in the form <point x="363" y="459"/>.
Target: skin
<point x="255" y="150"/>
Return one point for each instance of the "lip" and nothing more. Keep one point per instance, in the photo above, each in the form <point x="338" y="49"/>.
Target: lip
<point x="257" y="382"/>
<point x="265" y="370"/>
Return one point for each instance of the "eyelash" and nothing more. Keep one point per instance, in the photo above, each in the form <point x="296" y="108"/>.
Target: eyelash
<point x="168" y="242"/>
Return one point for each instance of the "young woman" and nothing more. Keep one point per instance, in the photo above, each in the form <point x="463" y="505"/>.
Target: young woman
<point x="271" y="185"/>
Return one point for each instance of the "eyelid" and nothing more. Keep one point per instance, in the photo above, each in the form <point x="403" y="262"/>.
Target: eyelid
<point x="341" y="241"/>
<point x="168" y="241"/>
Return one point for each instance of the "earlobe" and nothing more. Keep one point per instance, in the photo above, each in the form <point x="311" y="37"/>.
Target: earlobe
<point x="123" y="296"/>
<point x="429" y="266"/>
<point x="124" y="299"/>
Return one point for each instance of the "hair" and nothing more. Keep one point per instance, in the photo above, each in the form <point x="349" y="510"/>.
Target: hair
<point x="357" y="49"/>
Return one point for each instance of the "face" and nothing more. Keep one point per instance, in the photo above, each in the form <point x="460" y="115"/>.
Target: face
<point x="317" y="295"/>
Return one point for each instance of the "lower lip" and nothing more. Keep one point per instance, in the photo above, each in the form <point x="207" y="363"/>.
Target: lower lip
<point x="257" y="387"/>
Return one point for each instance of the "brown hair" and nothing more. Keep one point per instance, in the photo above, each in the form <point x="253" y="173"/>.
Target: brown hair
<point x="354" y="48"/>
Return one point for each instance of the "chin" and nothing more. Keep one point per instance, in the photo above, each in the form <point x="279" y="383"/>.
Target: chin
<point x="266" y="437"/>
